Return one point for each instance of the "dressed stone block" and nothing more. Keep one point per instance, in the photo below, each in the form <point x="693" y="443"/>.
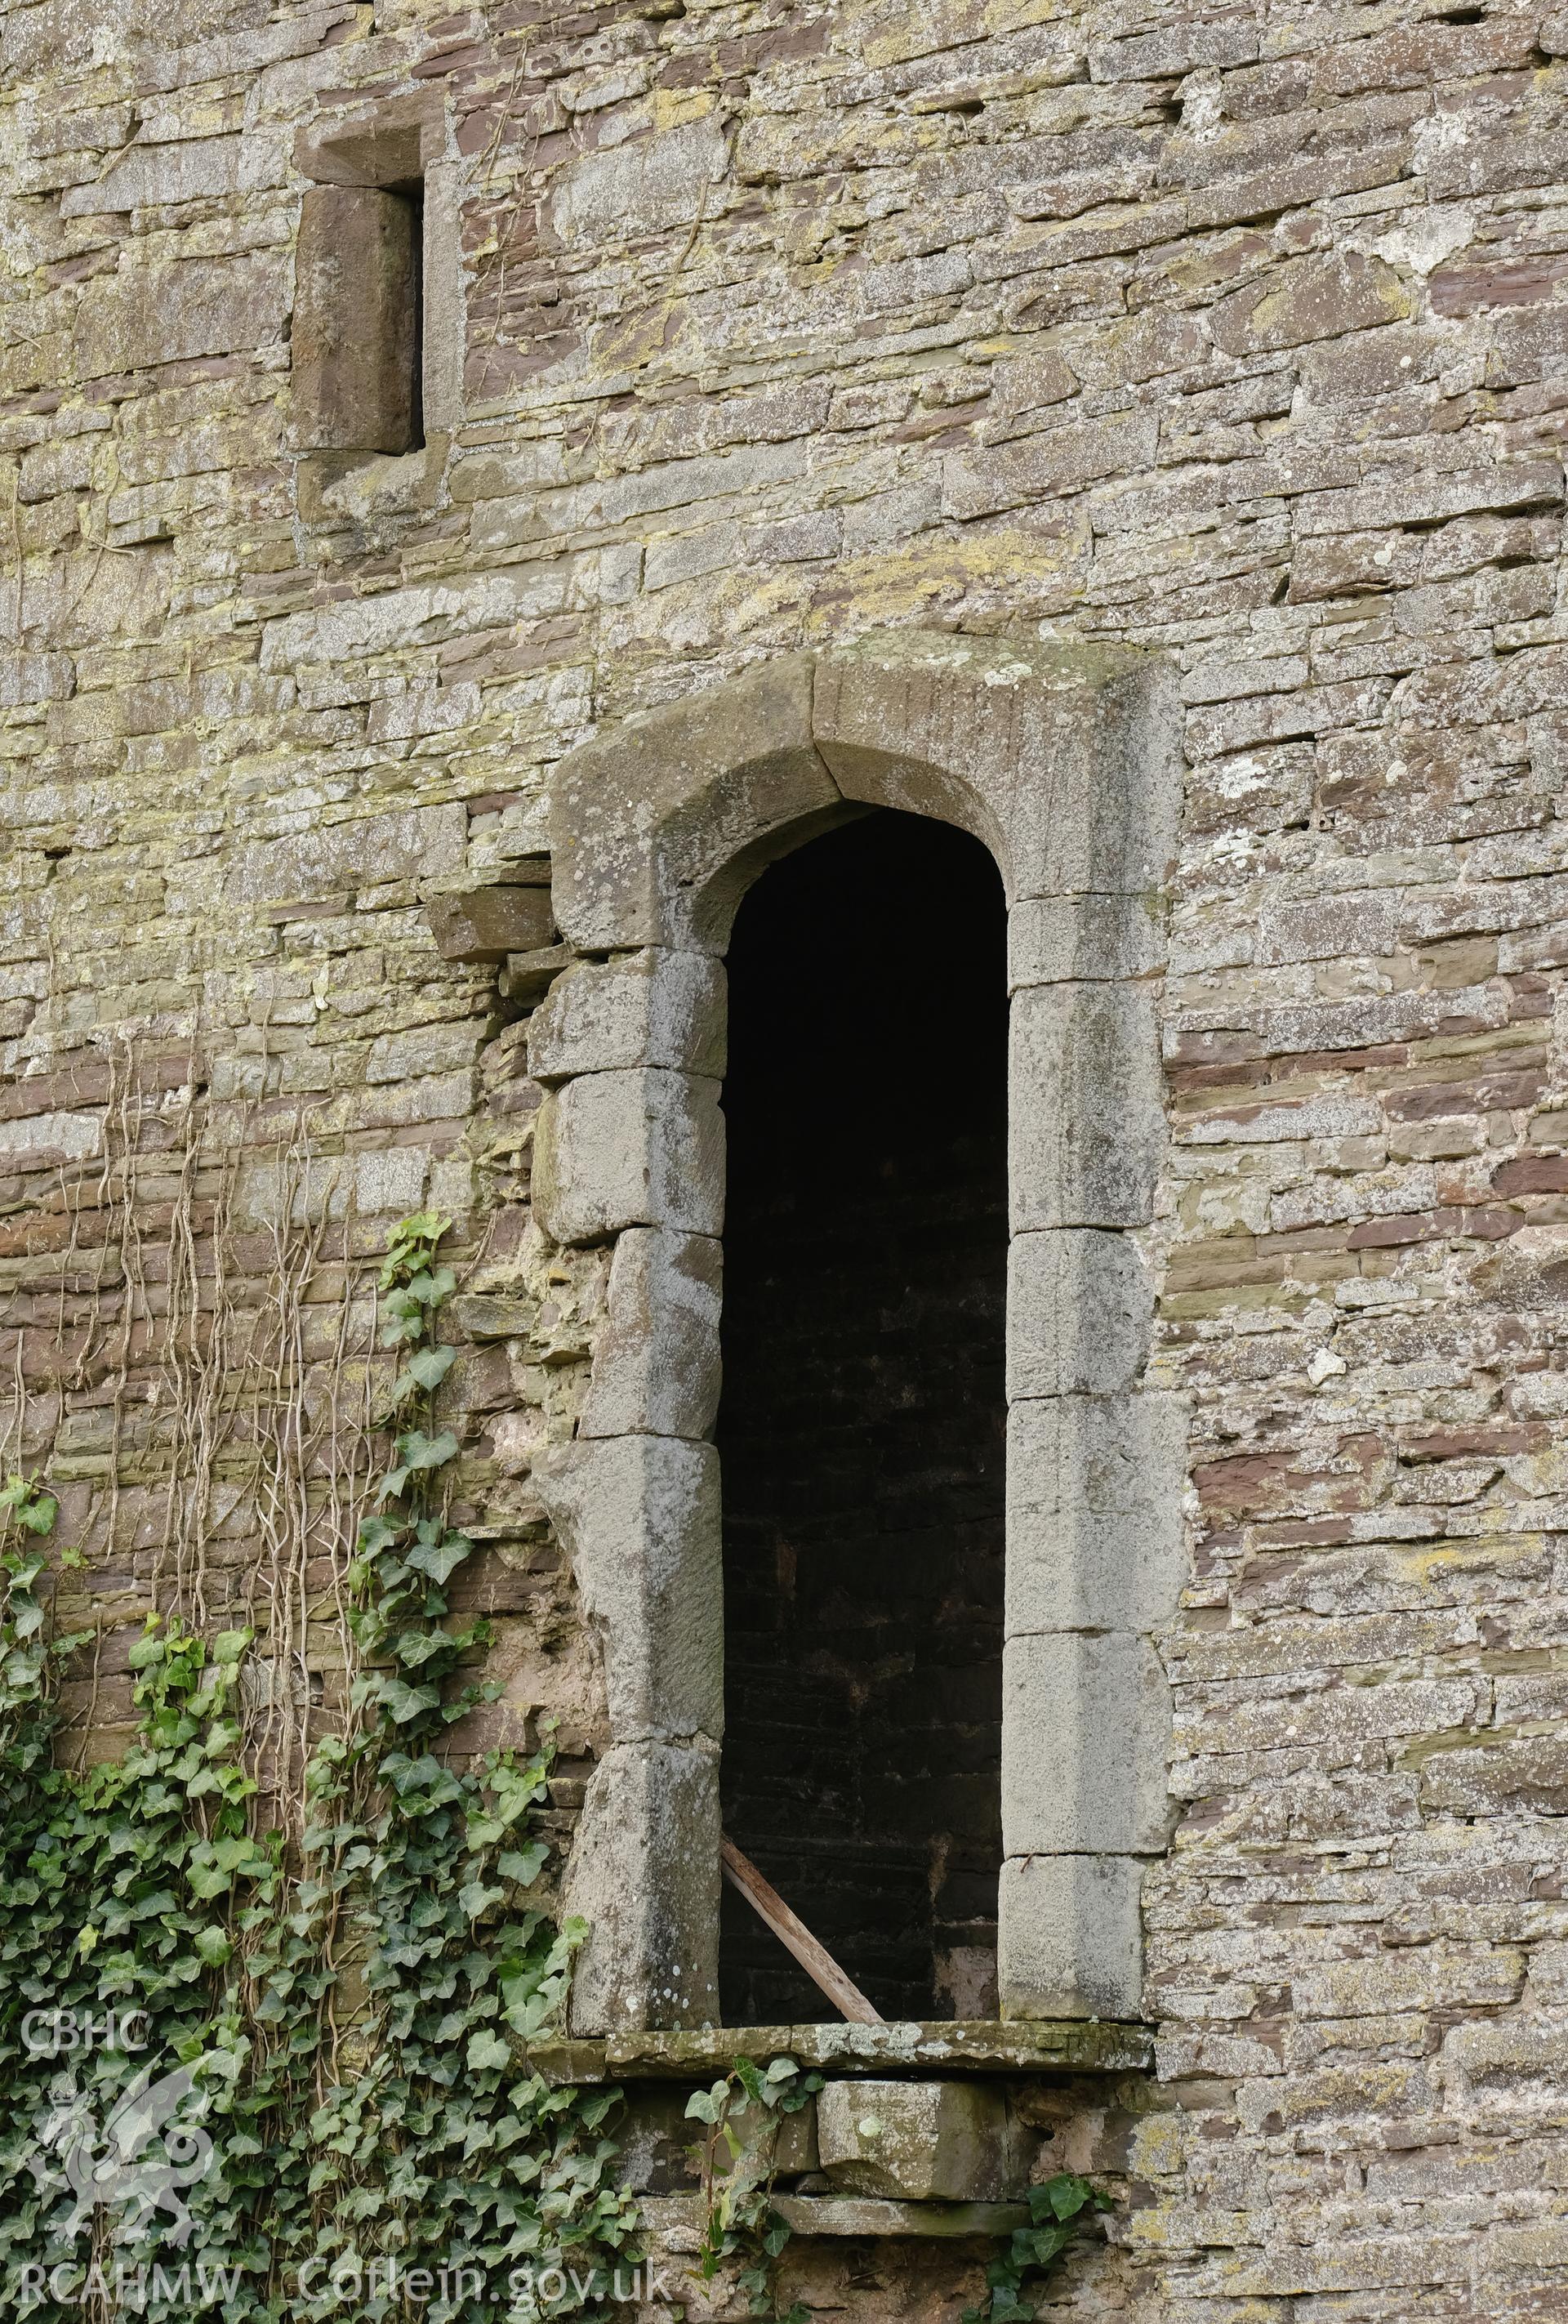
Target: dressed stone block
<point x="1070" y="1937"/>
<point x="1079" y="1306"/>
<point x="630" y="1150"/>
<point x="645" y="820"/>
<point x="947" y="2141"/>
<point x="651" y="1008"/>
<point x="1086" y="1134"/>
<point x="644" y="1874"/>
<point x="656" y="1363"/>
<point x="639" y="1519"/>
<point x="1085" y="1738"/>
<point x="1070" y="939"/>
<point x="1064" y="760"/>
<point x="1095" y="1538"/>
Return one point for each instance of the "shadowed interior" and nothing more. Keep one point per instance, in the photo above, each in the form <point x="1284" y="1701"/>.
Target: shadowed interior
<point x="861" y="1429"/>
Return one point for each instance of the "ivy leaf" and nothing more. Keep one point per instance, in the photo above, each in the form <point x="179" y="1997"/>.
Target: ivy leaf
<point x="404" y="1702"/>
<point x="414" y="1648"/>
<point x="423" y="1373"/>
<point x="28" y="1504"/>
<point x="412" y="1239"/>
<point x="522" y="1865"/>
<point x="487" y="2050"/>
<point x="440" y="1560"/>
<point x="418" y="1451"/>
<point x="1067" y="2194"/>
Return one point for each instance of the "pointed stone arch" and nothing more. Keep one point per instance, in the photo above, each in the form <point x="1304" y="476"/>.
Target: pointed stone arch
<point x="1064" y="763"/>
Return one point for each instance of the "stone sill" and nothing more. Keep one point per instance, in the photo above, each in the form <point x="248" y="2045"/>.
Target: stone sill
<point x="1061" y="2046"/>
<point x="846" y="2215"/>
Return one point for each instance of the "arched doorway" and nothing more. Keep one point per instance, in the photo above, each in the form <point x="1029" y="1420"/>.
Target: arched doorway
<point x="862" y="1431"/>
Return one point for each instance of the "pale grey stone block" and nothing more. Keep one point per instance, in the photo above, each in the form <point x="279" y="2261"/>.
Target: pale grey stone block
<point x="1067" y="939"/>
<point x="644" y="186"/>
<point x="644" y="1874"/>
<point x="1094" y="1531"/>
<point x="185" y="169"/>
<point x="948" y="2142"/>
<point x="1079" y="1306"/>
<point x="656" y="825"/>
<point x="1065" y="759"/>
<point x="445" y="335"/>
<point x="1070" y="1942"/>
<point x="639" y="1519"/>
<point x="656" y="1362"/>
<point x="628" y="1150"/>
<point x="415" y="843"/>
<point x="1086" y="1132"/>
<point x="652" y="1008"/>
<point x="1086" y="1737"/>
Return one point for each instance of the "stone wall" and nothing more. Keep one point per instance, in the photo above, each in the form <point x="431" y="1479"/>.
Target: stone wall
<point x="1237" y="338"/>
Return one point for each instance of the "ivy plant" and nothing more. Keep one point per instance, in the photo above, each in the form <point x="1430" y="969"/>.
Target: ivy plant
<point x="1059" y="2209"/>
<point x="331" y="2030"/>
<point x="738" y="2162"/>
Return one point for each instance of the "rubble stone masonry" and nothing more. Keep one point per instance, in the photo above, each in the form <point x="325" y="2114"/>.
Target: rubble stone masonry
<point x="1235" y="335"/>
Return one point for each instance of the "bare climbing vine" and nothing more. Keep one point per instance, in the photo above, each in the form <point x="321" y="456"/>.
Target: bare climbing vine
<point x="334" y="2027"/>
<point x="217" y="1400"/>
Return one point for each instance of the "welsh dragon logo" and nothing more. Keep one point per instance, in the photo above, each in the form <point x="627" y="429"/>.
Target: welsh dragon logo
<point x="149" y="2149"/>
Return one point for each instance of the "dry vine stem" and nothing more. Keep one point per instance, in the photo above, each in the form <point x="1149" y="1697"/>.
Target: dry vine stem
<point x="244" y="1449"/>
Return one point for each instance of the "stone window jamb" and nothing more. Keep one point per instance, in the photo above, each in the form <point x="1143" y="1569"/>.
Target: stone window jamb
<point x="1064" y="761"/>
<point x="392" y="143"/>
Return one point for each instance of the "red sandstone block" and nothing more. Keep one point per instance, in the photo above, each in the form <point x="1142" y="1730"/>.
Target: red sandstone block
<point x="353" y="343"/>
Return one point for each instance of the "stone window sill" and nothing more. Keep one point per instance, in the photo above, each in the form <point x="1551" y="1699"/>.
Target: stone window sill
<point x="681" y="2219"/>
<point x="924" y="2130"/>
<point x="363" y="488"/>
<point x="1064" y="2046"/>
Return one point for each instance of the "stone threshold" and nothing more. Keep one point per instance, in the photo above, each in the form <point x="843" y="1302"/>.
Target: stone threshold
<point x="1061" y="2046"/>
<point x="847" y="2215"/>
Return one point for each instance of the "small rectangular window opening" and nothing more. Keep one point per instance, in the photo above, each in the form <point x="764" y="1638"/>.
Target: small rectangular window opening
<point x="412" y="197"/>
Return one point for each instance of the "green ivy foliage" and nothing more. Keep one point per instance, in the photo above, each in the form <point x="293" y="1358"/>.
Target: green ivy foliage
<point x="739" y="2166"/>
<point x="341" y="2020"/>
<point x="1058" y="2210"/>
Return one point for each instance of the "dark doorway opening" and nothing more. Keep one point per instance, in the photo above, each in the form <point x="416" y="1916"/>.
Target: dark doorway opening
<point x="861" y="1432"/>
